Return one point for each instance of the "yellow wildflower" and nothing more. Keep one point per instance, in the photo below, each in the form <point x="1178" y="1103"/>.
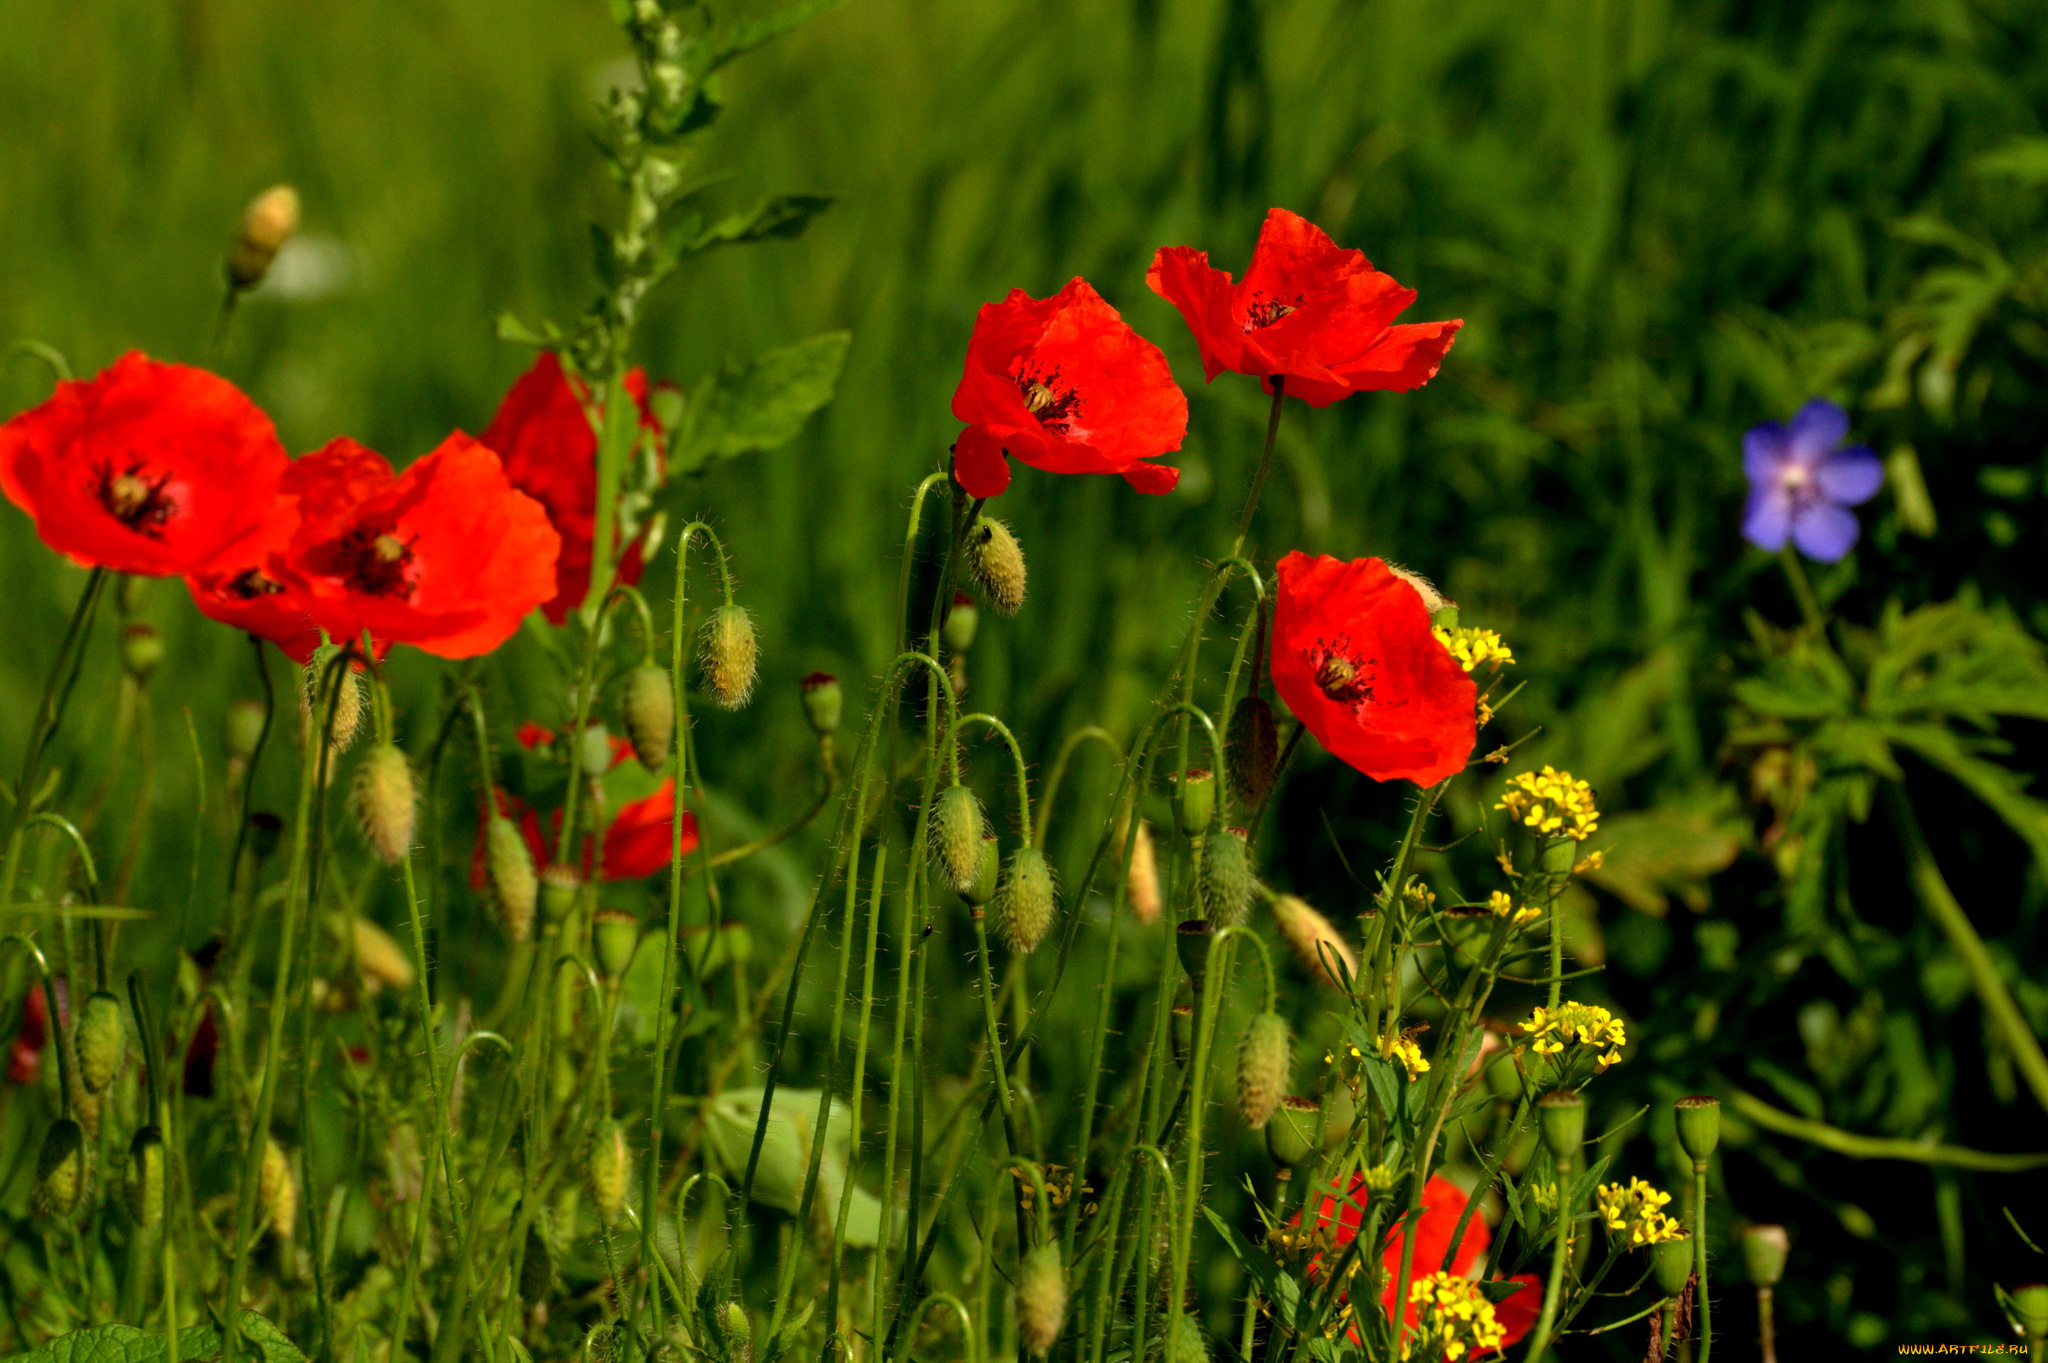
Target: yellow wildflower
<point x="1401" y="1047"/>
<point x="1636" y="1213"/>
<point x="1380" y="1178"/>
<point x="1592" y="861"/>
<point x="1588" y="1025"/>
<point x="1454" y="1317"/>
<point x="1502" y="905"/>
<point x="1552" y="803"/>
<point x="1475" y="647"/>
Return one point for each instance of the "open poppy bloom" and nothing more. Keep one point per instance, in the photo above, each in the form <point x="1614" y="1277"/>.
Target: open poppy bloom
<point x="1443" y="1202"/>
<point x="237" y="588"/>
<point x="543" y="435"/>
<point x="149" y="468"/>
<point x="1355" y="660"/>
<point x="1063" y="384"/>
<point x="447" y="556"/>
<point x="1308" y="312"/>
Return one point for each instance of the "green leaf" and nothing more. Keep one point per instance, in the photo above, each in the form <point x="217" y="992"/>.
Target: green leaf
<point x="1276" y="1285"/>
<point x="510" y="328"/>
<point x="761" y="405"/>
<point x="741" y="38"/>
<point x="2001" y="789"/>
<point x="126" y="1344"/>
<point x="781" y="215"/>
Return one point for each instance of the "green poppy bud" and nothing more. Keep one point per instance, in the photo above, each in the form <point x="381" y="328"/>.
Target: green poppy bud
<point x="240" y="729"/>
<point x="146" y="1176"/>
<point x="613" y="935"/>
<point x="824" y="702"/>
<point x="1764" y="1249"/>
<point x="1041" y="1300"/>
<point x="1291" y="1131"/>
<point x="142" y="651"/>
<point x="60" y="1168"/>
<point x="1561" y="1114"/>
<point x="1192" y="940"/>
<point x="2030" y="1310"/>
<point x="346" y="703"/>
<point x="267" y="224"/>
<point x="956" y="830"/>
<point x="649" y="712"/>
<point x="560" y="887"/>
<point x="379" y="959"/>
<point x="1252" y="752"/>
<point x="1025" y="901"/>
<point x="1263" y="1061"/>
<point x="1225" y="884"/>
<point x="594" y="750"/>
<point x="1671" y="1264"/>
<point x="1340" y="1109"/>
<point x="386" y="802"/>
<point x="101" y="1041"/>
<point x="278" y="1189"/>
<point x="731" y="656"/>
<point x="611" y="1169"/>
<point x="961" y="623"/>
<point x="1699" y="1125"/>
<point x="1197" y="800"/>
<point x="509" y="863"/>
<point x="537" y="1269"/>
<point x="996" y="561"/>
<point x="736" y="1333"/>
<point x="985" y="882"/>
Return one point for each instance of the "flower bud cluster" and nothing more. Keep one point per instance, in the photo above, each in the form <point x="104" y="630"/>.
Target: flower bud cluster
<point x="1553" y="803"/>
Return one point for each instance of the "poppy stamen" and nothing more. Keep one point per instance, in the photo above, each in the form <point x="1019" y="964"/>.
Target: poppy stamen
<point x="375" y="561"/>
<point x="252" y="583"/>
<point x="1341" y="675"/>
<point x="1266" y="310"/>
<point x="1056" y="406"/>
<point x="135" y="499"/>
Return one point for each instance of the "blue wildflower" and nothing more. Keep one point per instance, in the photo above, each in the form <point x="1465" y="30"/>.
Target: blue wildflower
<point x="1802" y="483"/>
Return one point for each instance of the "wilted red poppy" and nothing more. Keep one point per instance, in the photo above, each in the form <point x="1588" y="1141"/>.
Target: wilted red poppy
<point x="1443" y="1202"/>
<point x="543" y="434"/>
<point x="149" y="468"/>
<point x="1354" y="658"/>
<point x="1316" y="315"/>
<point x="447" y="556"/>
<point x="237" y="588"/>
<point x="1063" y="384"/>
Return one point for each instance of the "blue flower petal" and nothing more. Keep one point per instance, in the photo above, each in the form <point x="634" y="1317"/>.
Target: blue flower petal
<point x="1767" y="517"/>
<point x="1818" y="427"/>
<point x="1825" y="532"/>
<point x="1850" y="477"/>
<point x="1764" y="451"/>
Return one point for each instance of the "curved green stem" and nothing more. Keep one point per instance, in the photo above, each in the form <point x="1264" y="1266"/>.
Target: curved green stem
<point x="1058" y="772"/>
<point x="49" y="715"/>
<point x="1855" y="1146"/>
<point x="1002" y="730"/>
<point x="1251" y="501"/>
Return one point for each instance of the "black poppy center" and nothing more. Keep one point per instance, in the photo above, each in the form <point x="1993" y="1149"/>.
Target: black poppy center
<point x="1341" y="674"/>
<point x="135" y="497"/>
<point x="1265" y="310"/>
<point x="1055" y="403"/>
<point x="252" y="583"/>
<point x="375" y="561"/>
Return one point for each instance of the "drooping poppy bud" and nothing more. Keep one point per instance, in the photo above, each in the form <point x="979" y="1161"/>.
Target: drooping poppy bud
<point x="1025" y="901"/>
<point x="267" y="224"/>
<point x="611" y="1169"/>
<point x="1197" y="800"/>
<point x="386" y="802"/>
<point x="379" y="959"/>
<point x="561" y="886"/>
<point x="962" y="622"/>
<point x="1561" y="1114"/>
<point x="1141" y="884"/>
<point x="102" y="1041"/>
<point x="731" y="656"/>
<point x="1225" y="882"/>
<point x="1252" y="752"/>
<point x="509" y="863"/>
<point x="823" y="702"/>
<point x="594" y="750"/>
<point x="956" y="830"/>
<point x="650" y="714"/>
<point x="142" y="650"/>
<point x="277" y="1187"/>
<point x="1263" y="1061"/>
<point x="1291" y="1130"/>
<point x="146" y="1176"/>
<point x="613" y="935"/>
<point x="1041" y="1300"/>
<point x="996" y="561"/>
<point x="347" y="706"/>
<point x="990" y="876"/>
<point x="1315" y="941"/>
<point x="60" y="1168"/>
<point x="537" y="1267"/>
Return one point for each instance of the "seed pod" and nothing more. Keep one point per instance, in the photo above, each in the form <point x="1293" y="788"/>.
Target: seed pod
<point x="1225" y="884"/>
<point x="1764" y="1249"/>
<point x="379" y="958"/>
<point x="1699" y="1125"/>
<point x="267" y="224"/>
<point x="60" y="1168"/>
<point x="649" y="711"/>
<point x="560" y="887"/>
<point x="736" y="1333"/>
<point x="240" y="729"/>
<point x="1263" y="1061"/>
<point x="537" y="1268"/>
<point x="514" y="885"/>
<point x="1252" y="752"/>
<point x="146" y="1176"/>
<point x="348" y="708"/>
<point x="1561" y="1114"/>
<point x="611" y="1169"/>
<point x="1671" y="1264"/>
<point x="996" y="561"/>
<point x="1340" y="1110"/>
<point x="1025" y="901"/>
<point x="1141" y="884"/>
<point x="824" y="702"/>
<point x="961" y="623"/>
<point x="142" y="651"/>
<point x="278" y="1189"/>
<point x="386" y="802"/>
<point x="613" y="935"/>
<point x="101" y="1041"/>
<point x="731" y="656"/>
<point x="1315" y="941"/>
<point x="956" y="830"/>
<point x="1041" y="1300"/>
<point x="1291" y="1131"/>
<point x="1197" y="800"/>
<point x="1191" y="941"/>
<point x="985" y="882"/>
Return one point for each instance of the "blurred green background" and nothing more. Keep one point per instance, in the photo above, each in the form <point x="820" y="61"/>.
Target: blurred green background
<point x="1661" y="222"/>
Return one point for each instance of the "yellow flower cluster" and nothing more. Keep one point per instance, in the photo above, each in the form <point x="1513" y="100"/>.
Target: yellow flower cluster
<point x="1552" y="803"/>
<point x="1543" y="1196"/>
<point x="1401" y="1047"/>
<point x="1502" y="905"/>
<point x="1636" y="1212"/>
<point x="1420" y="895"/>
<point x="1549" y="1031"/>
<point x="1455" y="1317"/>
<point x="1475" y="647"/>
<point x="1380" y="1178"/>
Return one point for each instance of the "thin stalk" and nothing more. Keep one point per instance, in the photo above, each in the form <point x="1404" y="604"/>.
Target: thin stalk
<point x="49" y="715"/>
<point x="857" y="1086"/>
<point x="1699" y="1262"/>
<point x="1251" y="501"/>
<point x="1546" y="1320"/>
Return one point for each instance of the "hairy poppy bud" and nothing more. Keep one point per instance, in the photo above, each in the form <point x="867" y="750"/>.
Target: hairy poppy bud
<point x="267" y="224"/>
<point x="1263" y="1062"/>
<point x="1197" y="800"/>
<point x="537" y="1268"/>
<point x="989" y="877"/>
<point x="1561" y="1114"/>
<point x="956" y="830"/>
<point x="386" y="802"/>
<point x="1699" y="1125"/>
<point x="560" y="887"/>
<point x="1141" y="884"/>
<point x="1183" y="1022"/>
<point x="824" y="702"/>
<point x="1041" y="1300"/>
<point x="278" y="1189"/>
<point x="1315" y="941"/>
<point x="961" y="623"/>
<point x="1671" y="1264"/>
<point x="101" y="1042"/>
<point x="1291" y="1131"/>
<point x="379" y="959"/>
<point x="347" y="705"/>
<point x="594" y="750"/>
<point x="997" y="563"/>
<point x="1432" y="599"/>
<point x="736" y="1333"/>
<point x="146" y="1176"/>
<point x="1192" y="941"/>
<point x="611" y="1169"/>
<point x="1025" y="901"/>
<point x="142" y="650"/>
<point x="613" y="935"/>
<point x="509" y="863"/>
<point x="731" y="656"/>
<point x="60" y="1168"/>
<point x="1764" y="1249"/>
<point x="241" y="728"/>
<point x="1225" y="884"/>
<point x="1252" y="752"/>
<point x="650" y="714"/>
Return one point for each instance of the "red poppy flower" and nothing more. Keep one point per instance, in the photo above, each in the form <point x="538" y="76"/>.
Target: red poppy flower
<point x="237" y="588"/>
<point x="636" y="844"/>
<point x="1354" y="658"/>
<point x="149" y="468"/>
<point x="447" y="556"/>
<point x="543" y="434"/>
<point x="1307" y="311"/>
<point x="25" y="1057"/>
<point x="1063" y="384"/>
<point x="1443" y="1202"/>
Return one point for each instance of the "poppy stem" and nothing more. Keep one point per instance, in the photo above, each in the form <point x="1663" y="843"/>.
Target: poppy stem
<point x="49" y="714"/>
<point x="1251" y="501"/>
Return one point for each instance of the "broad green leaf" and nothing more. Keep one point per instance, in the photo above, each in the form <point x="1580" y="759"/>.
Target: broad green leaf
<point x="782" y="215"/>
<point x="1276" y="1285"/>
<point x="761" y="405"/>
<point x="126" y="1344"/>
<point x="2002" y="789"/>
<point x="510" y="328"/>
